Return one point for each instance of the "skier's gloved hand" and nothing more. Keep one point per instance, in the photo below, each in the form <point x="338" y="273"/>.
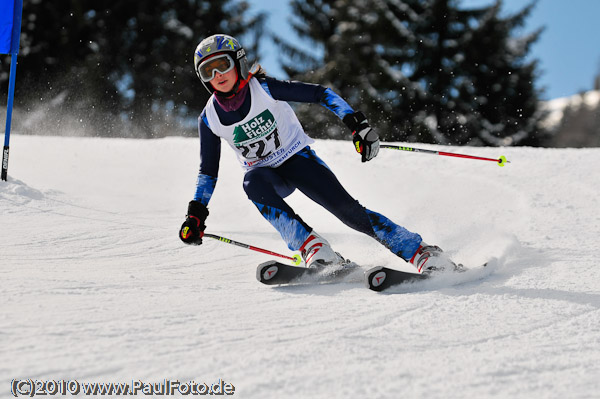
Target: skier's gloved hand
<point x="365" y="139"/>
<point x="192" y="229"/>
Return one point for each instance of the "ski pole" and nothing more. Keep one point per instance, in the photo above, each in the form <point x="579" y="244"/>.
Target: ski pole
<point x="500" y="161"/>
<point x="296" y="259"/>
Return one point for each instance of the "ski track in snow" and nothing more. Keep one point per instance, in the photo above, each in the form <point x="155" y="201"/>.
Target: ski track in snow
<point x="96" y="286"/>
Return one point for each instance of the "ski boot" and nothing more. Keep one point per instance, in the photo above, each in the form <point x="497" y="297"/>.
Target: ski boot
<point x="317" y="253"/>
<point x="431" y="259"/>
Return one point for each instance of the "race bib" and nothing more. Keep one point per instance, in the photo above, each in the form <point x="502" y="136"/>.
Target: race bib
<point x="257" y="138"/>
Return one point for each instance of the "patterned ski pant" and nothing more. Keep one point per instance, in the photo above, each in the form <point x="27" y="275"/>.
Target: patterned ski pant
<point x="305" y="171"/>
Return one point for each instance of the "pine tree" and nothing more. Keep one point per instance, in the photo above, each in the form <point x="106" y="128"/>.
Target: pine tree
<point x="422" y="70"/>
<point x="362" y="62"/>
<point x="121" y="68"/>
<point x="499" y="80"/>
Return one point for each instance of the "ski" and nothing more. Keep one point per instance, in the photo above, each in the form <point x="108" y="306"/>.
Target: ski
<point x="377" y="278"/>
<point x="276" y="273"/>
<point x="381" y="278"/>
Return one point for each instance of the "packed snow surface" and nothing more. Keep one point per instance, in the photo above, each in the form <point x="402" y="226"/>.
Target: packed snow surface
<point x="95" y="285"/>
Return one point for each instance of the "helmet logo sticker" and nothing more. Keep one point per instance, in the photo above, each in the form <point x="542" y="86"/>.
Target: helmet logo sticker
<point x="230" y="44"/>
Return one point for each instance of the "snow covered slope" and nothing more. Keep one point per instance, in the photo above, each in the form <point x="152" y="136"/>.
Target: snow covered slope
<point x="95" y="286"/>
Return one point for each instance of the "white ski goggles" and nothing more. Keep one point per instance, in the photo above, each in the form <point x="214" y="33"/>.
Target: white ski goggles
<point x="222" y="63"/>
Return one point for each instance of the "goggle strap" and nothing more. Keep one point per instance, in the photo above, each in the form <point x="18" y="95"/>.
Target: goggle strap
<point x="250" y="74"/>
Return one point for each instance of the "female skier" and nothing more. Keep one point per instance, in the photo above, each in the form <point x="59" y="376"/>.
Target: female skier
<point x="249" y="110"/>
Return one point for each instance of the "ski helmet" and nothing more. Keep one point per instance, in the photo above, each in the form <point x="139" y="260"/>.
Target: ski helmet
<point x="221" y="44"/>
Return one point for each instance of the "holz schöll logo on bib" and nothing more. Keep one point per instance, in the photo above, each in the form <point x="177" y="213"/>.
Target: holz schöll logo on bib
<point x="257" y="138"/>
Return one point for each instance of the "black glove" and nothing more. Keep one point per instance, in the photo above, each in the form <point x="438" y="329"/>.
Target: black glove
<point x="365" y="139"/>
<point x="192" y="229"/>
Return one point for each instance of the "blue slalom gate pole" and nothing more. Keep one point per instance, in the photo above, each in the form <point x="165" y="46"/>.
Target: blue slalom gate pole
<point x="9" y="108"/>
<point x="14" y="50"/>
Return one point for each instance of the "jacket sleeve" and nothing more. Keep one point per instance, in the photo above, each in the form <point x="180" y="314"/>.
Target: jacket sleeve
<point x="210" y="155"/>
<point x="295" y="91"/>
